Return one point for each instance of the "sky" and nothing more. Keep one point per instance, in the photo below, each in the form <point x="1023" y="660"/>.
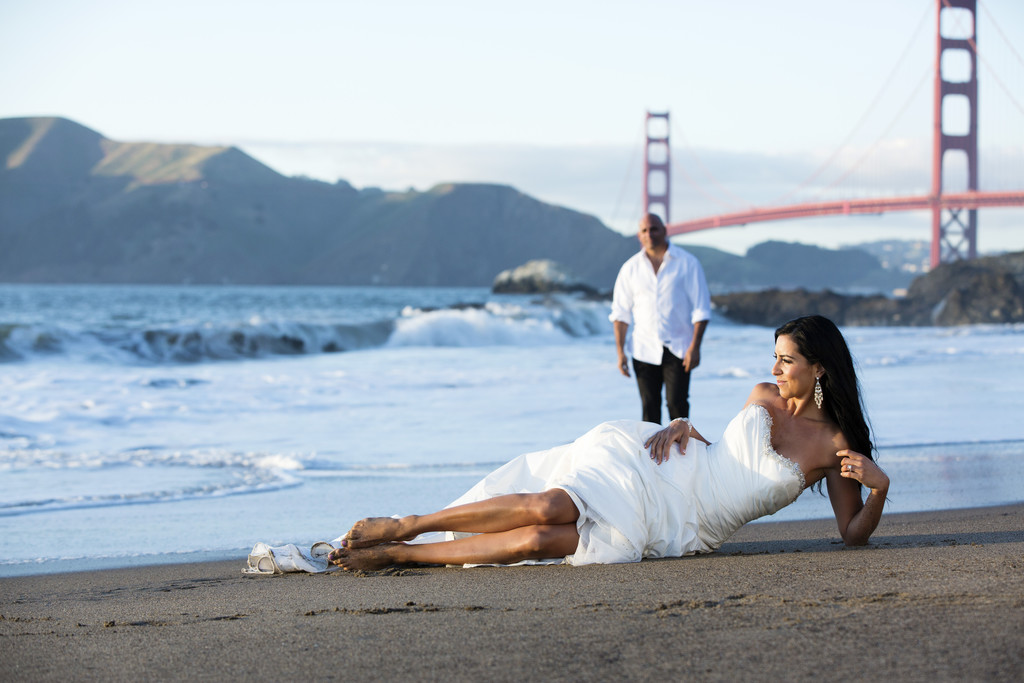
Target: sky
<point x="770" y="103"/>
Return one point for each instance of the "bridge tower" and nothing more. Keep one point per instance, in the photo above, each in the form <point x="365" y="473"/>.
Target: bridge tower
<point x="955" y="231"/>
<point x="657" y="165"/>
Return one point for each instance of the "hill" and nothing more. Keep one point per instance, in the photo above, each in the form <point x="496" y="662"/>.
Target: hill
<point x="78" y="207"/>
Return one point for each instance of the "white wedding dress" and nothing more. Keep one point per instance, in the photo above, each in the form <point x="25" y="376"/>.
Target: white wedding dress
<point x="630" y="507"/>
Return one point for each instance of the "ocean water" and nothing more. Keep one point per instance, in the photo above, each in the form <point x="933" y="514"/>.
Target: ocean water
<point x="157" y="424"/>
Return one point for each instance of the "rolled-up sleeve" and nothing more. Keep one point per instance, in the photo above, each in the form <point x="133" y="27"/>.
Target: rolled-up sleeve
<point x="622" y="298"/>
<point x="700" y="297"/>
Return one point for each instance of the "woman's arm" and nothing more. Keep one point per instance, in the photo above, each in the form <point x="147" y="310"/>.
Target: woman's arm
<point x="857" y="519"/>
<point x="678" y="431"/>
<point x="681" y="431"/>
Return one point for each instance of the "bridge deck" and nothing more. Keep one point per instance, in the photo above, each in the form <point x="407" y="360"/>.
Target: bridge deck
<point x="962" y="200"/>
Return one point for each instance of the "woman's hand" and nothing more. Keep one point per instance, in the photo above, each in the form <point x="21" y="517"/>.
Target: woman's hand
<point x="858" y="520"/>
<point x="677" y="431"/>
<point x="853" y="465"/>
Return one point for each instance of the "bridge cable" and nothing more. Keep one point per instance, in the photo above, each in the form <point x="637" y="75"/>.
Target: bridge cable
<point x="982" y="60"/>
<point x="823" y="166"/>
<point x="853" y="167"/>
<point x="991" y="70"/>
<point x="626" y="180"/>
<point x="995" y="25"/>
<point x="708" y="174"/>
<point x="878" y="96"/>
<point x="701" y="189"/>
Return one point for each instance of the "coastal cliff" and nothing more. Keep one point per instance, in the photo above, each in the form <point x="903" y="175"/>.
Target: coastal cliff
<point x="77" y="207"/>
<point x="985" y="290"/>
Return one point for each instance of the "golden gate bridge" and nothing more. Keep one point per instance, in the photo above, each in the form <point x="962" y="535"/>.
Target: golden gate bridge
<point x="954" y="224"/>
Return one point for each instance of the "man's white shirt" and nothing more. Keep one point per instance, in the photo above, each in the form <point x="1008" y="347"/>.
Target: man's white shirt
<point x="660" y="309"/>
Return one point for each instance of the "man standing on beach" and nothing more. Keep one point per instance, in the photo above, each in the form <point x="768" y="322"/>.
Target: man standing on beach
<point x="662" y="293"/>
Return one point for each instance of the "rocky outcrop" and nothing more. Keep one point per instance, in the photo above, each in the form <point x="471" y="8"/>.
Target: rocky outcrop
<point x="772" y="307"/>
<point x="983" y="291"/>
<point x="540" y="276"/>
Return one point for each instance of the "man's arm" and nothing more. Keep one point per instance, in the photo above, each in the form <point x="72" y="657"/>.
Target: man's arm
<point x="700" y="304"/>
<point x="691" y="359"/>
<point x="620" y="346"/>
<point x="622" y="315"/>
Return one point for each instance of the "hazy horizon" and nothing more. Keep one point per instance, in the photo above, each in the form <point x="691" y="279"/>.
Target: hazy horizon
<point x="549" y="98"/>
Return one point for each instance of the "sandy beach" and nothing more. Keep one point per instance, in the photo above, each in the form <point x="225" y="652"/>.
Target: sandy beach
<point x="937" y="595"/>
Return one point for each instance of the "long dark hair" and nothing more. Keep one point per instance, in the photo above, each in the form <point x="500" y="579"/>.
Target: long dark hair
<point x="820" y="341"/>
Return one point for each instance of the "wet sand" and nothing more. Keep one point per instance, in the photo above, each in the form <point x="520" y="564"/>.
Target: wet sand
<point x="937" y="595"/>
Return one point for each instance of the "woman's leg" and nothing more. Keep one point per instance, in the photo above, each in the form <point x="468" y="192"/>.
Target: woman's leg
<point x="502" y="513"/>
<point x="503" y="547"/>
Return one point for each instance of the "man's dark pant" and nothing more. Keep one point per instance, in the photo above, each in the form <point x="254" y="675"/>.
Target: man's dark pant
<point x="677" y="387"/>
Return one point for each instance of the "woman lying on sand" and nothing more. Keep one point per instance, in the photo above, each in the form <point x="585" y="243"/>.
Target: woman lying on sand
<point x="629" y="490"/>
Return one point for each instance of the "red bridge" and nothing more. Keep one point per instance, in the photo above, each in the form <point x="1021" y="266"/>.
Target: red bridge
<point x="954" y="214"/>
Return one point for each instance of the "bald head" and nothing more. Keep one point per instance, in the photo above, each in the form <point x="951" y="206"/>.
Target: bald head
<point x="652" y="233"/>
<point x="652" y="219"/>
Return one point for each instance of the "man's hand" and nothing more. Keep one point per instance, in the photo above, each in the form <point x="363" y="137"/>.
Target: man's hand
<point x="623" y="364"/>
<point x="691" y="359"/>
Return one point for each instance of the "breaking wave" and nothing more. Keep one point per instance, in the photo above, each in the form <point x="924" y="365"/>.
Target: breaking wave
<point x="547" y="321"/>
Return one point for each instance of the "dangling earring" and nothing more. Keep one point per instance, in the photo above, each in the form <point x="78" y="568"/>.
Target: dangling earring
<point x="818" y="395"/>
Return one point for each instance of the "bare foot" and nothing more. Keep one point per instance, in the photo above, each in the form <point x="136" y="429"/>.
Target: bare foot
<point x="363" y="559"/>
<point x="374" y="531"/>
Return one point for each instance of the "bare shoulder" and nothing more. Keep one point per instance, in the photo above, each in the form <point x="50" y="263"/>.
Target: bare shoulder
<point x="823" y="444"/>
<point x="828" y="441"/>
<point x="839" y="442"/>
<point x="764" y="393"/>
